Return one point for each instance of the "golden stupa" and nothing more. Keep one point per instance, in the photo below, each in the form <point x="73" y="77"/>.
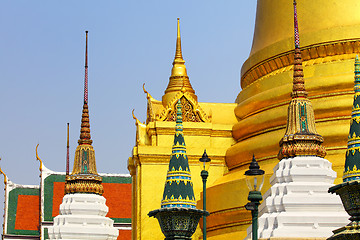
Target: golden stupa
<point x="232" y="133"/>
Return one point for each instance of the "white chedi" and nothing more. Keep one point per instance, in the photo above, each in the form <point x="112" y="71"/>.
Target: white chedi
<point x="298" y="203"/>
<point x="83" y="216"/>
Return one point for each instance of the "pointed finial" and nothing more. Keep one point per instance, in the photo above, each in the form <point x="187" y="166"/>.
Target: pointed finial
<point x="298" y="77"/>
<point x="179" y="68"/>
<point x="178" y="53"/>
<point x="296" y="27"/>
<point x="67" y="151"/>
<point x="85" y="137"/>
<point x="86" y="71"/>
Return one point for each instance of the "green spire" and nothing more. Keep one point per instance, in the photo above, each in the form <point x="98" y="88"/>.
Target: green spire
<point x="178" y="190"/>
<point x="352" y="162"/>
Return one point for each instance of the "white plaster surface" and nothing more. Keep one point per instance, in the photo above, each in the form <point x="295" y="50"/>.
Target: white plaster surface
<point x="83" y="216"/>
<point x="298" y="203"/>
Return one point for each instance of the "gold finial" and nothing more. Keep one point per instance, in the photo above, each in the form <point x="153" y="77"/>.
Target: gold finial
<point x="37" y="158"/>
<point x="178" y="53"/>
<point x="179" y="68"/>
<point x="5" y="177"/>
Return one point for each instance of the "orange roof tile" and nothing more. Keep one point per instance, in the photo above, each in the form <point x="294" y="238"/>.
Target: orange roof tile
<point x="27" y="212"/>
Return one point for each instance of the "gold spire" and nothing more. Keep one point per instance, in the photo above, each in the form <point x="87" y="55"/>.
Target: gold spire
<point x="301" y="137"/>
<point x="178" y="55"/>
<point x="179" y="79"/>
<point x="84" y="177"/>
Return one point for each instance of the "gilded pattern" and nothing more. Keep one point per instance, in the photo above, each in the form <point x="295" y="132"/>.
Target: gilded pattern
<point x="301" y="137"/>
<point x="84" y="177"/>
<point x="316" y="51"/>
<point x="188" y="113"/>
<point x="191" y="111"/>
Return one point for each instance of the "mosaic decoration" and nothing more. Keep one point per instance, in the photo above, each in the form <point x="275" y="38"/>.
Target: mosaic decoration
<point x="188" y="113"/>
<point x="178" y="216"/>
<point x="191" y="110"/>
<point x="301" y="137"/>
<point x="84" y="177"/>
<point x="178" y="190"/>
<point x="352" y="162"/>
<point x="349" y="193"/>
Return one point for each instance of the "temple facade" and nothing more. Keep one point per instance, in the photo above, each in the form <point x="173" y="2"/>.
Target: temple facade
<point x="230" y="132"/>
<point x="256" y="122"/>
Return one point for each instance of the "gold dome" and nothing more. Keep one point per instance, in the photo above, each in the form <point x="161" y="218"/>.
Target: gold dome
<point x="320" y="21"/>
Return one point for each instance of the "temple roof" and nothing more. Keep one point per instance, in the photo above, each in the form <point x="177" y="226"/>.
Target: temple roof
<point x="179" y="80"/>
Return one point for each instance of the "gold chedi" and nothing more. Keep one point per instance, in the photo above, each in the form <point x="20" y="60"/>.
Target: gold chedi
<point x="84" y="177"/>
<point x="330" y="34"/>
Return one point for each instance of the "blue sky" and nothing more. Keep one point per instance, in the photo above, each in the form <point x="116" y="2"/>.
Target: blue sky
<point x="130" y="43"/>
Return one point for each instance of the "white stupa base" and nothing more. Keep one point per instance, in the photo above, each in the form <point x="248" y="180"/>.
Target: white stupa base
<point x="298" y="204"/>
<point x="82" y="216"/>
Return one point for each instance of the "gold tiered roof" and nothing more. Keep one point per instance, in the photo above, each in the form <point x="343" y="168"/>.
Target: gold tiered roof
<point x="84" y="177"/>
<point x="179" y="87"/>
<point x="179" y="80"/>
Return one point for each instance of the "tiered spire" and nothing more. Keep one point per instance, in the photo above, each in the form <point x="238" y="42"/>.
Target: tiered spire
<point x="84" y="177"/>
<point x="301" y="138"/>
<point x="352" y="162"/>
<point x="178" y="190"/>
<point x="179" y="80"/>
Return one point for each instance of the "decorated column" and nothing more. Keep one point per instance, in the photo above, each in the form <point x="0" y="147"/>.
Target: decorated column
<point x="83" y="210"/>
<point x="178" y="216"/>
